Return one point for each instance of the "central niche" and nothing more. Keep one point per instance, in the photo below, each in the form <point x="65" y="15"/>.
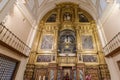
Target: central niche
<point x="67" y="42"/>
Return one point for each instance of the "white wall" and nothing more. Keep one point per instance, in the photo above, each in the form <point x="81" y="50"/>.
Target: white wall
<point x="117" y="58"/>
<point x="112" y="24"/>
<point x="4" y="9"/>
<point x="113" y="66"/>
<point x="16" y="22"/>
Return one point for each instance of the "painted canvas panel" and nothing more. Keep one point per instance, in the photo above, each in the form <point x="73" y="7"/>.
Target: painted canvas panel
<point x="87" y="42"/>
<point x="47" y="42"/>
<point x="52" y="18"/>
<point x="89" y="58"/>
<point x="44" y="58"/>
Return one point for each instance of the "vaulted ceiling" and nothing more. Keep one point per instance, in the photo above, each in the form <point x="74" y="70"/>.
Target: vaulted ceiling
<point x="39" y="8"/>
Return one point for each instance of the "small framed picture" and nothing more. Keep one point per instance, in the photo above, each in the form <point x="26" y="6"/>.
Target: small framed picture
<point x="43" y="58"/>
<point x="89" y="58"/>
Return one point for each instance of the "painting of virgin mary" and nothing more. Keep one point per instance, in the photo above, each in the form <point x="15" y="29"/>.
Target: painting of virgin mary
<point x="47" y="42"/>
<point x="87" y="42"/>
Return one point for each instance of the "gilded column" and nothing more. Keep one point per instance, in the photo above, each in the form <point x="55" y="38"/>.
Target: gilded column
<point x="77" y="43"/>
<point x="98" y="45"/>
<point x="35" y="45"/>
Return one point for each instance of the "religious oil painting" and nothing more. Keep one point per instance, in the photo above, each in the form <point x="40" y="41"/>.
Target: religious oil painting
<point x="44" y="58"/>
<point x="52" y="18"/>
<point x="87" y="42"/>
<point x="47" y="42"/>
<point x="89" y="58"/>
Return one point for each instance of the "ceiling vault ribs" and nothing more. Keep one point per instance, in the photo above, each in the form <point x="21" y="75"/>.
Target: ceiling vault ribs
<point x="41" y="7"/>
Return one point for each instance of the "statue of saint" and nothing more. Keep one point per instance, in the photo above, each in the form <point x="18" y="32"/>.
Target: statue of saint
<point x="67" y="76"/>
<point x="67" y="17"/>
<point x="67" y="39"/>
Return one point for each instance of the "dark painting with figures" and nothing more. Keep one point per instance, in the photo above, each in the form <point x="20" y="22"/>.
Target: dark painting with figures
<point x="44" y="58"/>
<point x="89" y="58"/>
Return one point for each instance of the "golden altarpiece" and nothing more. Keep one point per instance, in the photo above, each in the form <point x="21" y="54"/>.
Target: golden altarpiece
<point x="66" y="47"/>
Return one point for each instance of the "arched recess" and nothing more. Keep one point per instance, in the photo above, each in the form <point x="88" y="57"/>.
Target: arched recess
<point x="67" y="43"/>
<point x="85" y="5"/>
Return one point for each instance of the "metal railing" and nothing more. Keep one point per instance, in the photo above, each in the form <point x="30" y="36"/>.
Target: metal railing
<point x="113" y="44"/>
<point x="9" y="38"/>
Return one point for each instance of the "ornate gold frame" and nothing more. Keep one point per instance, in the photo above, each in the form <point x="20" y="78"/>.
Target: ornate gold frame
<point x="88" y="50"/>
<point x="46" y="50"/>
<point x="45" y="63"/>
<point x="95" y="63"/>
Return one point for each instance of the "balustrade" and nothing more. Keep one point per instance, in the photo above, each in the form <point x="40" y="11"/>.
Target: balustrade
<point x="10" y="39"/>
<point x="113" y="45"/>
